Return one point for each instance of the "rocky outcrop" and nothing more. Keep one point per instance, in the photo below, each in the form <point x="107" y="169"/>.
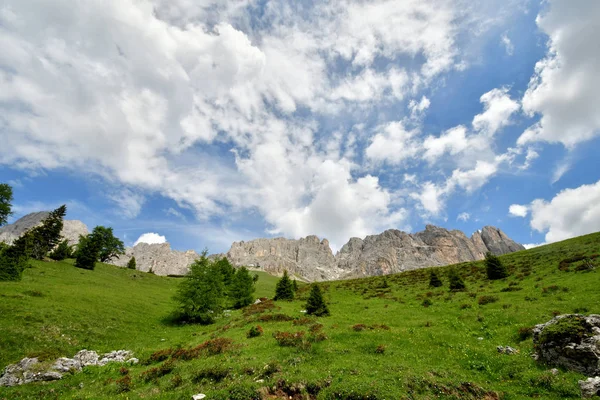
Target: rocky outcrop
<point x="159" y="258"/>
<point x="32" y="370"/>
<point x="590" y="387"/>
<point x="71" y="228"/>
<point x="309" y="257"/>
<point x="389" y="252"/>
<point x="571" y="341"/>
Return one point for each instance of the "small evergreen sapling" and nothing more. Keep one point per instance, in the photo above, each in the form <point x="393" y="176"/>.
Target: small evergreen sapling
<point x="315" y="305"/>
<point x="284" y="289"/>
<point x="241" y="288"/>
<point x="456" y="281"/>
<point x="62" y="251"/>
<point x="131" y="263"/>
<point x="494" y="267"/>
<point x="434" y="279"/>
<point x="295" y="285"/>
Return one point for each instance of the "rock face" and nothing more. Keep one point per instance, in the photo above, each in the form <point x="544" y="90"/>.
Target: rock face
<point x="31" y="370"/>
<point x="571" y="341"/>
<point x="158" y="257"/>
<point x="590" y="387"/>
<point x="389" y="252"/>
<point x="309" y="257"/>
<point x="71" y="228"/>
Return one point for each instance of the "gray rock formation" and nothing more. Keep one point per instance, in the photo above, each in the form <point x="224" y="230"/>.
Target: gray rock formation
<point x="571" y="341"/>
<point x="389" y="252"/>
<point x="159" y="258"/>
<point x="71" y="228"/>
<point x="31" y="370"/>
<point x="309" y="257"/>
<point x="590" y="387"/>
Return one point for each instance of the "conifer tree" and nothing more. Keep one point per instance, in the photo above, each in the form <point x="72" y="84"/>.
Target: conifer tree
<point x="494" y="267"/>
<point x="315" y="305"/>
<point x="201" y="293"/>
<point x="295" y="285"/>
<point x="284" y="289"/>
<point x="241" y="288"/>
<point x="434" y="279"/>
<point x="131" y="263"/>
<point x="88" y="251"/>
<point x="48" y="235"/>
<point x="456" y="281"/>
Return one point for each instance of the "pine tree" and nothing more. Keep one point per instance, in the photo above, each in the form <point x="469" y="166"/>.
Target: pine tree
<point x="284" y="289"/>
<point x="456" y="282"/>
<point x="494" y="267"/>
<point x="201" y="293"/>
<point x="295" y="285"/>
<point x="434" y="279"/>
<point x="6" y="197"/>
<point x="226" y="270"/>
<point x="48" y="235"/>
<point x="241" y="288"/>
<point x="131" y="263"/>
<point x="62" y="251"/>
<point x="315" y="305"/>
<point x="87" y="252"/>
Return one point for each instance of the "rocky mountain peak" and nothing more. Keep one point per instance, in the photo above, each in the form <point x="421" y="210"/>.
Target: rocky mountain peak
<point x="71" y="228"/>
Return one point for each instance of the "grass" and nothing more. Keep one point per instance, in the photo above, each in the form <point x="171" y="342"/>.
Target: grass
<point x="380" y="342"/>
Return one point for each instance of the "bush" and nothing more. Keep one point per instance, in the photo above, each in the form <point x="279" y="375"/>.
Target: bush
<point x="6" y="197"/>
<point x="456" y="282"/>
<point x="12" y="265"/>
<point x="243" y="392"/>
<point x="565" y="330"/>
<point x="255" y="331"/>
<point x="494" y="267"/>
<point x="426" y="303"/>
<point x="525" y="332"/>
<point x="62" y="251"/>
<point x="434" y="279"/>
<point x="87" y="252"/>
<point x="154" y="373"/>
<point x="380" y="349"/>
<point x="214" y="374"/>
<point x="289" y="339"/>
<point x="284" y="289"/>
<point x="124" y="384"/>
<point x="483" y="300"/>
<point x="131" y="264"/>
<point x="315" y="305"/>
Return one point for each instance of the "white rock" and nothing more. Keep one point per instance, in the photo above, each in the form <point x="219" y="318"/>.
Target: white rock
<point x="590" y="387"/>
<point x="199" y="396"/>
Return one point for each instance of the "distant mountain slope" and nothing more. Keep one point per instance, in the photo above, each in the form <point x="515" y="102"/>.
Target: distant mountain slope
<point x="71" y="228"/>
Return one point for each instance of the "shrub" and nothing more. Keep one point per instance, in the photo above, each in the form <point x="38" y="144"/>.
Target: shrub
<point x="259" y="308"/>
<point x="62" y="251"/>
<point x="304" y="321"/>
<point x="483" y="300"/>
<point x="6" y="197"/>
<point x="465" y="306"/>
<point x="154" y="373"/>
<point x="434" y="279"/>
<point x="255" y="331"/>
<point x="124" y="384"/>
<point x="289" y="339"/>
<point x="214" y="373"/>
<point x="131" y="264"/>
<point x="315" y="305"/>
<point x="284" y="289"/>
<point x="359" y="327"/>
<point x="426" y="303"/>
<point x="274" y="317"/>
<point x="494" y="267"/>
<point x="87" y="252"/>
<point x="243" y="392"/>
<point x="380" y="349"/>
<point x="456" y="282"/>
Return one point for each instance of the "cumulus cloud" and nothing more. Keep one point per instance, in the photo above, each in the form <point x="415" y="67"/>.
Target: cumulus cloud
<point x="151" y="238"/>
<point x="572" y="212"/>
<point x="565" y="86"/>
<point x="518" y="210"/>
<point x="498" y="108"/>
<point x="393" y="143"/>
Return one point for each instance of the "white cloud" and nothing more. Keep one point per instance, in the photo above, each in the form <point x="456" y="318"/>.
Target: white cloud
<point x="151" y="238"/>
<point x="464" y="216"/>
<point x="564" y="89"/>
<point x="431" y="198"/>
<point x="393" y="144"/>
<point x="498" y="108"/>
<point x="572" y="212"/>
<point x="508" y="45"/>
<point x="518" y="210"/>
<point x="453" y="142"/>
<point x="475" y="178"/>
<point x="174" y="213"/>
<point x="129" y="203"/>
<point x="532" y="245"/>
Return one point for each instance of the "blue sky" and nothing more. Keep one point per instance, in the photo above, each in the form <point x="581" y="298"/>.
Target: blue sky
<point x="210" y="122"/>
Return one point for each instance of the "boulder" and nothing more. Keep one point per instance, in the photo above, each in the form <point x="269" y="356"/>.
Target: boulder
<point x="590" y="387"/>
<point x="571" y="341"/>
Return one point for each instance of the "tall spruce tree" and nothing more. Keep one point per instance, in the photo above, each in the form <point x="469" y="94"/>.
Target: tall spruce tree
<point x="315" y="305"/>
<point x="48" y="234"/>
<point x="494" y="267"/>
<point x="284" y="289"/>
<point x="201" y="293"/>
<point x="434" y="279"/>
<point x="241" y="288"/>
<point x="6" y="197"/>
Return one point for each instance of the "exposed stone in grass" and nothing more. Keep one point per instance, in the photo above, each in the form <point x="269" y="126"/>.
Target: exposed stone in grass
<point x="571" y="341"/>
<point x="590" y="387"/>
<point x="32" y="370"/>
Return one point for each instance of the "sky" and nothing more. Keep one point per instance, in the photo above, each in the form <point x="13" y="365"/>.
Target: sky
<point x="204" y="122"/>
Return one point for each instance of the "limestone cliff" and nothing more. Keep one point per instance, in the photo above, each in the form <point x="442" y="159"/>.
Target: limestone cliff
<point x="159" y="258"/>
<point x="71" y="228"/>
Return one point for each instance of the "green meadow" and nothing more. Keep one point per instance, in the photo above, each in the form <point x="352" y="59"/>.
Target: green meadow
<point x="389" y="337"/>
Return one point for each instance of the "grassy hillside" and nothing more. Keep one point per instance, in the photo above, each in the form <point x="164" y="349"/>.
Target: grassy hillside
<point x="387" y="338"/>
